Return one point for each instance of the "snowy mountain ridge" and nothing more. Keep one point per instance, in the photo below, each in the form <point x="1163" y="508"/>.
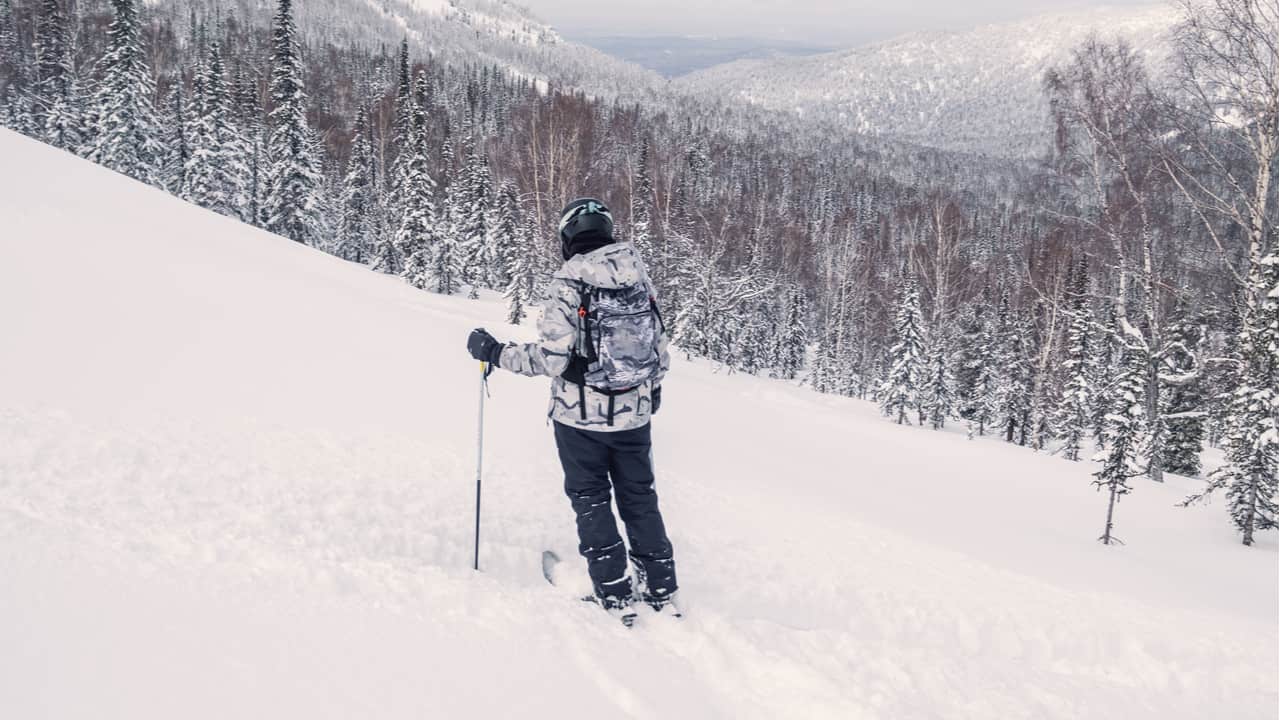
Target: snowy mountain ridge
<point x="976" y="90"/>
<point x="462" y="32"/>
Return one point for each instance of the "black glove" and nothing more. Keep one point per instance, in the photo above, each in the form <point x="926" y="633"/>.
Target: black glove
<point x="484" y="347"/>
<point x="655" y="401"/>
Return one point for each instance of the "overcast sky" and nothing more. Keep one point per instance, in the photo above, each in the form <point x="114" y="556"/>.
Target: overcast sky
<point x="830" y="22"/>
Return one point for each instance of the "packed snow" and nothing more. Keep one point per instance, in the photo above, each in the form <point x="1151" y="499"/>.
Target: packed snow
<point x="237" y="480"/>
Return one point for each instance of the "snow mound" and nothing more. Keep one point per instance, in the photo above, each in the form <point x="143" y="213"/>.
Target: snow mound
<point x="236" y="480"/>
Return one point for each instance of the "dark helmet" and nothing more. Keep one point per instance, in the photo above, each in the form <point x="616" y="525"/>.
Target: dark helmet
<point x="585" y="225"/>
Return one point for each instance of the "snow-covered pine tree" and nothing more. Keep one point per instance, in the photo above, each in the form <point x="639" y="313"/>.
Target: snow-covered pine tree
<point x="416" y="235"/>
<point x="824" y="357"/>
<point x="750" y="339"/>
<point x="525" y="267"/>
<point x="1249" y="473"/>
<point x="1012" y="394"/>
<point x="448" y="269"/>
<point x="489" y="268"/>
<point x="10" y="51"/>
<point x="403" y="134"/>
<point x="124" y="128"/>
<point x="900" y="393"/>
<point x="1125" y="429"/>
<point x="359" y="194"/>
<point x="53" y="54"/>
<point x="982" y="399"/>
<point x="1107" y="359"/>
<point x="1075" y="408"/>
<point x="939" y="397"/>
<point x="973" y="376"/>
<point x="469" y="202"/>
<point x="17" y="113"/>
<point x="177" y="145"/>
<point x="293" y="180"/>
<point x="58" y="90"/>
<point x="503" y="243"/>
<point x="642" y="209"/>
<point x="64" y="121"/>
<point x="245" y="113"/>
<point x="1185" y="400"/>
<point x="216" y="174"/>
<point x="793" y="335"/>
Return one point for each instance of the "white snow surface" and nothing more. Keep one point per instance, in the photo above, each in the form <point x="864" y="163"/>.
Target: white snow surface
<point x="237" y="481"/>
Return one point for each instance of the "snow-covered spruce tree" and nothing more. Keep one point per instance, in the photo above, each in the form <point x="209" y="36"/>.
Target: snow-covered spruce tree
<point x="402" y="128"/>
<point x="416" y="234"/>
<point x="1012" y="397"/>
<point x="642" y="208"/>
<point x="125" y="132"/>
<point x="450" y="262"/>
<point x="290" y="206"/>
<point x="503" y="242"/>
<point x="1106" y="368"/>
<point x="54" y="57"/>
<point x="1184" y="401"/>
<point x="900" y="393"/>
<point x="64" y="120"/>
<point x="1125" y="430"/>
<point x="215" y="175"/>
<point x="986" y="382"/>
<point x="938" y="391"/>
<point x="177" y="147"/>
<point x="10" y="51"/>
<point x="754" y="336"/>
<point x="525" y="267"/>
<point x="248" y="116"/>
<point x="387" y="257"/>
<point x="448" y="270"/>
<point x="1075" y="409"/>
<point x="830" y="366"/>
<point x="58" y="89"/>
<point x="17" y="114"/>
<point x="793" y="335"/>
<point x="824" y="357"/>
<point x="1249" y="474"/>
<point x="487" y="257"/>
<point x="974" y="374"/>
<point x="359" y="194"/>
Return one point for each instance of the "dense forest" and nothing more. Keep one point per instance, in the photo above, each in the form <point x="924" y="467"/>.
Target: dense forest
<point x="1115" y="300"/>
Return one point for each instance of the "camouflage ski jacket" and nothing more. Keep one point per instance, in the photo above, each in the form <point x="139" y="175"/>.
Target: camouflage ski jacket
<point x="612" y="266"/>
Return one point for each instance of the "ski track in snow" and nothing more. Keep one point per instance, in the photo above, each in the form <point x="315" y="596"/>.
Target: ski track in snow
<point x="236" y="480"/>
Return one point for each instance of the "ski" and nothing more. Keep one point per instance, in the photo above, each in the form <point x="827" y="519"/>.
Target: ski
<point x="627" y="615"/>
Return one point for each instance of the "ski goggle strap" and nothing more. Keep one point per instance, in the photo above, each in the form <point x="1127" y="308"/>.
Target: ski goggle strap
<point x="590" y="207"/>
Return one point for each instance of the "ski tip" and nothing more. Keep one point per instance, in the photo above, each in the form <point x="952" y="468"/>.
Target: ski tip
<point x="549" y="562"/>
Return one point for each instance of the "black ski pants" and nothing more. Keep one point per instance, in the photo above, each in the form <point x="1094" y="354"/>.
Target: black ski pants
<point x="593" y="463"/>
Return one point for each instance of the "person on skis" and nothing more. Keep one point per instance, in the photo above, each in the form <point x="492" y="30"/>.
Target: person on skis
<point x="603" y="343"/>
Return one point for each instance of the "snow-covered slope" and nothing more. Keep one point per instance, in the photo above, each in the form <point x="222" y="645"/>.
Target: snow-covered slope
<point x="236" y="480"/>
<point x="976" y="90"/>
<point x="464" y="32"/>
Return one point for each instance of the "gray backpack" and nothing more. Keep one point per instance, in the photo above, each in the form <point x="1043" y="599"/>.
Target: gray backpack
<point x="617" y="345"/>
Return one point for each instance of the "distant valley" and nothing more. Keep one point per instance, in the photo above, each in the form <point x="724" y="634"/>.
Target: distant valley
<point x="674" y="56"/>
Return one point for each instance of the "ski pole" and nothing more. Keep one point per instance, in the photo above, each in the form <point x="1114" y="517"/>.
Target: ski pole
<point x="484" y="376"/>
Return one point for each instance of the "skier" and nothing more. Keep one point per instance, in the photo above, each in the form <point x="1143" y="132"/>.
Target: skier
<point x="605" y="347"/>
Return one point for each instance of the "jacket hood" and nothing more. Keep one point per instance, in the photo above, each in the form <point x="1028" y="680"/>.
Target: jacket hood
<point x="617" y="265"/>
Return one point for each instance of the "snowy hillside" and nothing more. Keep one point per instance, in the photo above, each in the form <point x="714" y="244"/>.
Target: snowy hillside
<point x="977" y="90"/>
<point x="463" y="32"/>
<point x="236" y="480"/>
